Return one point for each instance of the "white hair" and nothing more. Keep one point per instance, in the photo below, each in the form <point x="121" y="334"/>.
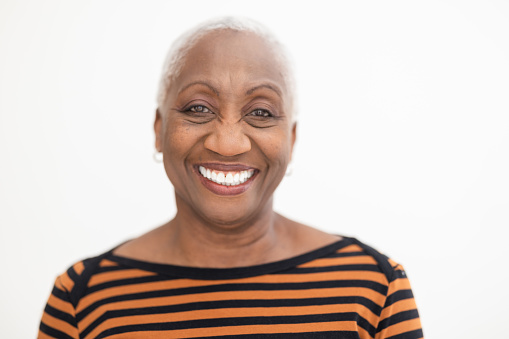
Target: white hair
<point x="176" y="55"/>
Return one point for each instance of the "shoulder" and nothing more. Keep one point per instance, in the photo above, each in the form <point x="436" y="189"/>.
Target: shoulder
<point x="359" y="259"/>
<point x="74" y="281"/>
<point x="307" y="238"/>
<point x="390" y="268"/>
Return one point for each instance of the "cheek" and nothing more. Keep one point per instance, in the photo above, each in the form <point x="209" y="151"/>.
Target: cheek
<point x="276" y="147"/>
<point x="178" y="139"/>
<point x="178" y="142"/>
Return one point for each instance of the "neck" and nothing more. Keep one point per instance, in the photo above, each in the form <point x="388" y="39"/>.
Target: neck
<point x="207" y="243"/>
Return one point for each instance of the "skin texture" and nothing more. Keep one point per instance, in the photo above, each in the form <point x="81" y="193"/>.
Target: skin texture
<point x="228" y="106"/>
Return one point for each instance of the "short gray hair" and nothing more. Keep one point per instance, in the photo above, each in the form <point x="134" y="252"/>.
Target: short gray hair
<point x="176" y="55"/>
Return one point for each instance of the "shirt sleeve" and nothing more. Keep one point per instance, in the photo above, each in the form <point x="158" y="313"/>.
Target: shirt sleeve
<point x="59" y="317"/>
<point x="399" y="318"/>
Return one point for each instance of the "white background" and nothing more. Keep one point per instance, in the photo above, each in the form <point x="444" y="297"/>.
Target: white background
<point x="403" y="140"/>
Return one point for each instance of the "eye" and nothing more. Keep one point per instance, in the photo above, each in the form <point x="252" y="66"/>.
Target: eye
<point x="197" y="114"/>
<point x="261" y="118"/>
<point x="199" y="109"/>
<point x="261" y="113"/>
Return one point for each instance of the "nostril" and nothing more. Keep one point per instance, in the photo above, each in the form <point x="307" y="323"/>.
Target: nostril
<point x="228" y="142"/>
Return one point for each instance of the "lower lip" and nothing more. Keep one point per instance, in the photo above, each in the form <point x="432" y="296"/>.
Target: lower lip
<point x="225" y="190"/>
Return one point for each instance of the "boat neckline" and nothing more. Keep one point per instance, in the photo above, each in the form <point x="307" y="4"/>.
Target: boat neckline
<point x="204" y="273"/>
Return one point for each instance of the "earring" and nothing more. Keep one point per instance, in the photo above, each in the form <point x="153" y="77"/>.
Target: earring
<point x="157" y="156"/>
<point x="289" y="169"/>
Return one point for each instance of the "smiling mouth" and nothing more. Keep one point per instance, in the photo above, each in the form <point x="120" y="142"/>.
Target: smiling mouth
<point x="226" y="178"/>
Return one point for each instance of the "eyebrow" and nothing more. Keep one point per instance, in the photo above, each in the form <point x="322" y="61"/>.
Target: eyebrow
<point x="200" y="83"/>
<point x="248" y="92"/>
<point x="275" y="89"/>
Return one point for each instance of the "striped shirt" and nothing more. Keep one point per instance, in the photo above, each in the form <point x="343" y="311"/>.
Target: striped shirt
<point x="343" y="290"/>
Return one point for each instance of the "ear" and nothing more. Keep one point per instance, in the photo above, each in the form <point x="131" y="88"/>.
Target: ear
<point x="158" y="123"/>
<point x="293" y="138"/>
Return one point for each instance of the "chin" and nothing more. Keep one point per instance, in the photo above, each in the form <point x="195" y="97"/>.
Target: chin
<point x="229" y="217"/>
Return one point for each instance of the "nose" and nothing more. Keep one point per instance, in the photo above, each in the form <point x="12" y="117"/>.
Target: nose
<point x="228" y="139"/>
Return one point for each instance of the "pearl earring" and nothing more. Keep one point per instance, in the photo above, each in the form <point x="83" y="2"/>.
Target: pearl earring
<point x="157" y="156"/>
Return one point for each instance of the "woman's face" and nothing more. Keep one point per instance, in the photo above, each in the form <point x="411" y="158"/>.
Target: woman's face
<point x="225" y="129"/>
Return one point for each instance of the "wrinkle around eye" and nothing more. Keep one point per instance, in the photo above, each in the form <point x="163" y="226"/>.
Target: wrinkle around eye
<point x="196" y="117"/>
<point x="261" y="121"/>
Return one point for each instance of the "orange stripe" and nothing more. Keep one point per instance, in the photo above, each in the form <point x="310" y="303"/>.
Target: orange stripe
<point x="402" y="327"/>
<point x="60" y="305"/>
<point x="79" y="267"/>
<point x="59" y="285"/>
<point x="119" y="275"/>
<point x="350" y="248"/>
<point x="231" y="313"/>
<point x="248" y="329"/>
<point x="60" y="325"/>
<point x="66" y="282"/>
<point x="237" y="295"/>
<point x="107" y="263"/>
<point x="41" y="335"/>
<point x="340" y="261"/>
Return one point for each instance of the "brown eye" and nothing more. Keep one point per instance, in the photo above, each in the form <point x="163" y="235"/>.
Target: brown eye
<point x="261" y="113"/>
<point x="199" y="109"/>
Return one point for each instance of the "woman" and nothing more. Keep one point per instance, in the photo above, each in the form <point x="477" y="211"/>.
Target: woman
<point x="227" y="264"/>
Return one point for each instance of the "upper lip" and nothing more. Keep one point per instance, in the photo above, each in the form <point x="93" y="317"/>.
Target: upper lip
<point x="225" y="167"/>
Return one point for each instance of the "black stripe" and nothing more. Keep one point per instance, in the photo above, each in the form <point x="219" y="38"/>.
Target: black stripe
<point x="237" y="287"/>
<point x="60" y="315"/>
<point x="304" y="335"/>
<point x="397" y="318"/>
<point x="305" y="270"/>
<point x="416" y="334"/>
<point x="125" y="282"/>
<point x="397" y="296"/>
<point x="336" y="268"/>
<point x="80" y="286"/>
<point x="72" y="274"/>
<point x="53" y="332"/>
<point x="225" y="322"/>
<point x="62" y="295"/>
<point x="347" y="254"/>
<point x="104" y="269"/>
<point x="249" y="303"/>
<point x="399" y="274"/>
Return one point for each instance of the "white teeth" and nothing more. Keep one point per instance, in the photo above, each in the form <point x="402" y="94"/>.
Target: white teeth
<point x="226" y="178"/>
<point x="220" y="178"/>
<point x="229" y="179"/>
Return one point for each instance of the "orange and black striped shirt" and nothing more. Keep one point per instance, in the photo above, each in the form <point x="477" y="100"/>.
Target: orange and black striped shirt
<point x="343" y="290"/>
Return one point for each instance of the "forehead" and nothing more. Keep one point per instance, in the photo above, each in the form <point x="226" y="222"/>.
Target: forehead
<point x="234" y="56"/>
